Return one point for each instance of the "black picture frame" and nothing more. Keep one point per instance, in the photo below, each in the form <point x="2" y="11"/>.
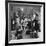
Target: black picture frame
<point x="6" y="10"/>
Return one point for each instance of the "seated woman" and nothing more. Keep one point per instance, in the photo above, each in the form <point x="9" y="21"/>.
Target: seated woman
<point x="37" y="25"/>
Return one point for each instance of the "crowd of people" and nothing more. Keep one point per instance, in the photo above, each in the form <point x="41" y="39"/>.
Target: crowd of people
<point x="21" y="23"/>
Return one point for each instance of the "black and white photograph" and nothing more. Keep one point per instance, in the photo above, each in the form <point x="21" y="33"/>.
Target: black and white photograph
<point x="25" y="22"/>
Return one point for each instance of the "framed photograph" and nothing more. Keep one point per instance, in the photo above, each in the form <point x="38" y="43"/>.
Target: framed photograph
<point x="25" y="22"/>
